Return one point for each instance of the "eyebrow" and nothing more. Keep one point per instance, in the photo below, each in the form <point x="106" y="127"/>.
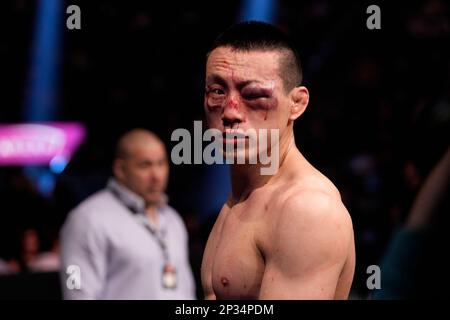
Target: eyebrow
<point x="215" y="78"/>
<point x="240" y="84"/>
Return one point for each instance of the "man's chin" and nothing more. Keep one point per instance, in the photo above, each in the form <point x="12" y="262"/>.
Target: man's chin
<point x="153" y="198"/>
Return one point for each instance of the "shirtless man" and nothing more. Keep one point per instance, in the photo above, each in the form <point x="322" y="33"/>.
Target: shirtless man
<point x="281" y="236"/>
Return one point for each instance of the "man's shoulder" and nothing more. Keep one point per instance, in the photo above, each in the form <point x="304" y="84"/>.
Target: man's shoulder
<point x="311" y="201"/>
<point x="94" y="206"/>
<point x="98" y="199"/>
<point x="311" y="219"/>
<point x="310" y="189"/>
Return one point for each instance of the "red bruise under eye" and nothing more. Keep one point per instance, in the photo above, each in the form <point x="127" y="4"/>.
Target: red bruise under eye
<point x="214" y="102"/>
<point x="264" y="106"/>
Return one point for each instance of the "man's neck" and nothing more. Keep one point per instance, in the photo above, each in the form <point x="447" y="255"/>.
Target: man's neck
<point x="152" y="214"/>
<point x="245" y="178"/>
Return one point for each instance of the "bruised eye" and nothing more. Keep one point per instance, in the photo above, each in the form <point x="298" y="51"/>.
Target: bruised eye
<point x="254" y="95"/>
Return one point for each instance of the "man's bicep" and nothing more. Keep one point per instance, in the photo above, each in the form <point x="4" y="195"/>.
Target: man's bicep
<point x="307" y="285"/>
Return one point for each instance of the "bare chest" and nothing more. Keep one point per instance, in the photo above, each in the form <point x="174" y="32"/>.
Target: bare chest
<point x="233" y="262"/>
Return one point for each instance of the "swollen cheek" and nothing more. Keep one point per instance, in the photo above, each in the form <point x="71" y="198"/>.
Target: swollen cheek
<point x="271" y="104"/>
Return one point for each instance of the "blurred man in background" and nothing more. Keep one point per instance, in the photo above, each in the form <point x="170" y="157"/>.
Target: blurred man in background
<point x="125" y="241"/>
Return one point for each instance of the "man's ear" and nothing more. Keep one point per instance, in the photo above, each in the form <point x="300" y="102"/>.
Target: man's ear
<point x="299" y="101"/>
<point x="118" y="169"/>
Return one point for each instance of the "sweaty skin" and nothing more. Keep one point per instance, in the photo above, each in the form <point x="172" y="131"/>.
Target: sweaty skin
<point x="285" y="236"/>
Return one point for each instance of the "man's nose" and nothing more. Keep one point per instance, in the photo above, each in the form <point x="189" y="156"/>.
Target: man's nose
<point x="231" y="115"/>
<point x="160" y="173"/>
<point x="155" y="174"/>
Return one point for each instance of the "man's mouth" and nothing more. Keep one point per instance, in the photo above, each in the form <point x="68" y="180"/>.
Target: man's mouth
<point x="233" y="136"/>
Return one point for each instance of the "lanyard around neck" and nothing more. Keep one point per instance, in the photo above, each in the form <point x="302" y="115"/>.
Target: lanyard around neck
<point x="141" y="216"/>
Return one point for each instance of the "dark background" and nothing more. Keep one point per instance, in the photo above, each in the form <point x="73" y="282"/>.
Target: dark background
<point x="378" y="118"/>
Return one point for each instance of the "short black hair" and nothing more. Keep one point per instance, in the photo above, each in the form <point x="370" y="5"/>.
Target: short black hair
<point x="255" y="35"/>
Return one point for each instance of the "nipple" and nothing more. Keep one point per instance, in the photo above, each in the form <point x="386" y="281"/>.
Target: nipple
<point x="224" y="281"/>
